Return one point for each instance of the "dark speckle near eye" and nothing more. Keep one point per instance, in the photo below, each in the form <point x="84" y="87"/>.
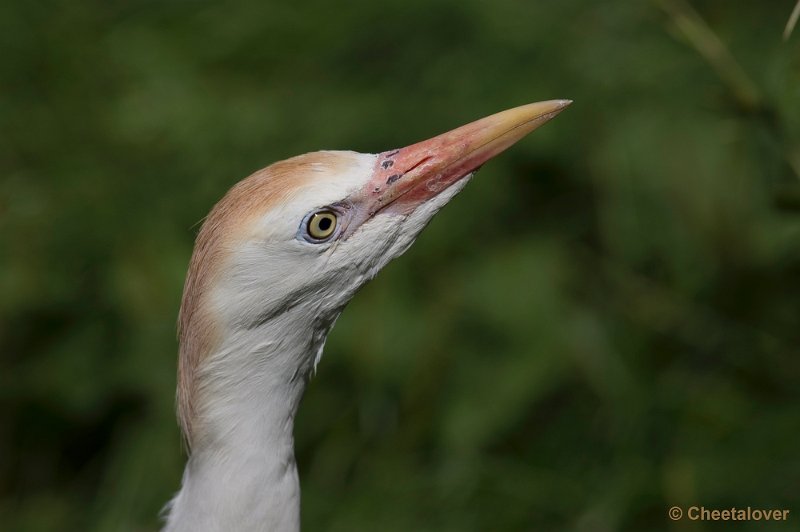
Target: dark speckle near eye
<point x="387" y="164"/>
<point x="393" y="178"/>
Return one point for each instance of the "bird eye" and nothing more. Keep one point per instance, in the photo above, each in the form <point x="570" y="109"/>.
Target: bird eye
<point x="321" y="225"/>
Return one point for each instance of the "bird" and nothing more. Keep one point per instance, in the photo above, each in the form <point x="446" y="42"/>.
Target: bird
<point x="274" y="264"/>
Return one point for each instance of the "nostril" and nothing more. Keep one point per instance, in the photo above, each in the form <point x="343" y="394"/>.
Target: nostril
<point x="420" y="163"/>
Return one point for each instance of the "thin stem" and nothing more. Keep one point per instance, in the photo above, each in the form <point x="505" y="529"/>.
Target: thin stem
<point x="703" y="39"/>
<point x="792" y="21"/>
<point x="745" y="91"/>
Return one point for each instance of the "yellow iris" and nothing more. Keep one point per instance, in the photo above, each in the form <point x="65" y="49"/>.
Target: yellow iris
<point x="322" y="224"/>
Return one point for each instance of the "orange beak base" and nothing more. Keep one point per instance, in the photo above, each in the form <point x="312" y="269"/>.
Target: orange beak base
<point x="405" y="178"/>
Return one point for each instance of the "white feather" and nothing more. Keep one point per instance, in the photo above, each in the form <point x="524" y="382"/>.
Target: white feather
<point x="276" y="303"/>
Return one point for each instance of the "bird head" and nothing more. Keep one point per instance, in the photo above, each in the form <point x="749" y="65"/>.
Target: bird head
<point x="301" y="236"/>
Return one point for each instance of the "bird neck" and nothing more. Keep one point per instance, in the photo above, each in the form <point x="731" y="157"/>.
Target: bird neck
<point x="241" y="474"/>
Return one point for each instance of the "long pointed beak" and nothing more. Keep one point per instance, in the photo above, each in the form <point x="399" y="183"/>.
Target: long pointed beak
<point x="405" y="178"/>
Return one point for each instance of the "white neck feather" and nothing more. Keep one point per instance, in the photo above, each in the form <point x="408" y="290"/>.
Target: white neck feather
<point x="274" y="318"/>
<point x="242" y="474"/>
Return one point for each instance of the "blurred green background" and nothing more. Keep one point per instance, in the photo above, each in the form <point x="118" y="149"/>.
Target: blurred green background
<point x="603" y="325"/>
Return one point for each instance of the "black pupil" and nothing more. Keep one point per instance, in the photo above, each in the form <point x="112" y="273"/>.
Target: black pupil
<point x="325" y="223"/>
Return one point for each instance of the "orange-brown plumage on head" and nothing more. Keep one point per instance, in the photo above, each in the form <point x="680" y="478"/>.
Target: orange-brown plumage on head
<point x="225" y="226"/>
<point x="274" y="264"/>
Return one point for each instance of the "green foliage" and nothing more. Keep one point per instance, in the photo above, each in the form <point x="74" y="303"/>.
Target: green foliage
<point x="603" y="325"/>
